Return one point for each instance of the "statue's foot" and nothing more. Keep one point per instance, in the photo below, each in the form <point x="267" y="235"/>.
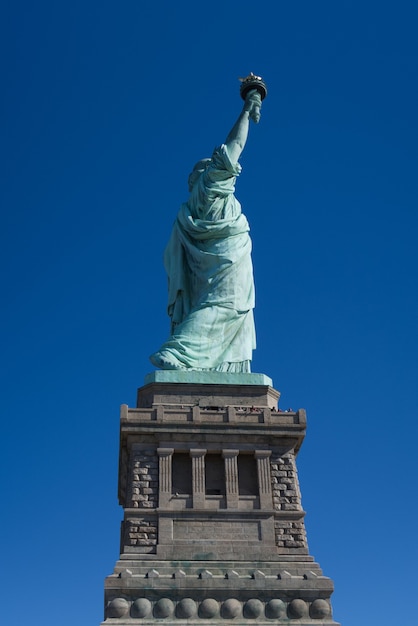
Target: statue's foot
<point x="163" y="362"/>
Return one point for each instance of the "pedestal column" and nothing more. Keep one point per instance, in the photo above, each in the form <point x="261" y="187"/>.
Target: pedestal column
<point x="231" y="478"/>
<point x="264" y="478"/>
<point x="165" y="462"/>
<point x="198" y="477"/>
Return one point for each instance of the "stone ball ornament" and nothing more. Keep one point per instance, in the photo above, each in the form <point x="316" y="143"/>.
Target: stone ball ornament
<point x="297" y="609"/>
<point x="209" y="608"/>
<point x="253" y="608"/>
<point x="231" y="608"/>
<point x="164" y="608"/>
<point x="141" y="608"/>
<point x="253" y="82"/>
<point x="118" y="607"/>
<point x="186" y="608"/>
<point x="319" y="609"/>
<point x="275" y="608"/>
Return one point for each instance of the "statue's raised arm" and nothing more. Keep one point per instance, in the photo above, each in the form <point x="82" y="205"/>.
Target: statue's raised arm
<point x="237" y="137"/>
<point x="208" y="262"/>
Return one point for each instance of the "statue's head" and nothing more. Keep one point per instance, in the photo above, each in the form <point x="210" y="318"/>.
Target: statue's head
<point x="197" y="170"/>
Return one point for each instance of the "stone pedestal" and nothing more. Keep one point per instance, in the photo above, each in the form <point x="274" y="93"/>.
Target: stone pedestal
<point x="213" y="527"/>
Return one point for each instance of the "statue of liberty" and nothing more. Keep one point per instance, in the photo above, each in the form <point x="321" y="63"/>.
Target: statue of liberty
<point x="208" y="261"/>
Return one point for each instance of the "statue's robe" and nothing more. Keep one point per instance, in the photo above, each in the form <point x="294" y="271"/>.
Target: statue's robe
<point x="210" y="277"/>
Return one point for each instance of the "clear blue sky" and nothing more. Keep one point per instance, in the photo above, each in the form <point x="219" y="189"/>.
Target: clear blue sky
<point x="105" y="108"/>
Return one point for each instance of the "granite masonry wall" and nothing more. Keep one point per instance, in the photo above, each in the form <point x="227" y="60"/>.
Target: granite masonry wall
<point x="140" y="532"/>
<point x="287" y="497"/>
<point x="143" y="492"/>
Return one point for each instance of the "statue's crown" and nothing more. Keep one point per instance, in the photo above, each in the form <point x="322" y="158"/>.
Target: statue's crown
<point x="253" y="82"/>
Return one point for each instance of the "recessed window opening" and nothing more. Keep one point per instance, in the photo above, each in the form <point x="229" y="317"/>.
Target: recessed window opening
<point x="247" y="475"/>
<point x="214" y="475"/>
<point x="181" y="473"/>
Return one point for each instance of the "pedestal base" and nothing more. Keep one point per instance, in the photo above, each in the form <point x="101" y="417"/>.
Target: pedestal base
<point x="213" y="526"/>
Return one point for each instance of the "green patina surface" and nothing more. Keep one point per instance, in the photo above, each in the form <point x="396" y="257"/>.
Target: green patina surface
<point x="207" y="378"/>
<point x="208" y="262"/>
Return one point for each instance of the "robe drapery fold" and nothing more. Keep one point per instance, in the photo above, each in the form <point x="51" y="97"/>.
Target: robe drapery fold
<point x="210" y="277"/>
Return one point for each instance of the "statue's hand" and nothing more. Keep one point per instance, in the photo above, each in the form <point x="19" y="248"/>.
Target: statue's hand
<point x="253" y="105"/>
